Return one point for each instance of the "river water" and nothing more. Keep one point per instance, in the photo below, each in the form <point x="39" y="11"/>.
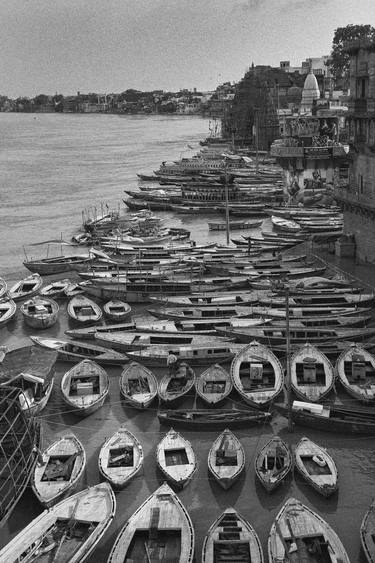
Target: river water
<point x="51" y="168"/>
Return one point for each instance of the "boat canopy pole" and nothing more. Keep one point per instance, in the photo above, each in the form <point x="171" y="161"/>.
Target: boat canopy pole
<point x="288" y="370"/>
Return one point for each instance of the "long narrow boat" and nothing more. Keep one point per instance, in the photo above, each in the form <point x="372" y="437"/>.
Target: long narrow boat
<point x="226" y="459"/>
<point x="58" y="470"/>
<point x="299" y="534"/>
<point x="234" y="225"/>
<point x="7" y="311"/>
<point x="213" y="385"/>
<point x="26" y="288"/>
<point x="30" y="369"/>
<point x="85" y="387"/>
<point x="40" y="312"/>
<point x="206" y="313"/>
<point x="231" y="538"/>
<point x="312" y="374"/>
<point x="56" y="264"/>
<point x="88" y="332"/>
<point x="355" y="369"/>
<point x="82" y="309"/>
<point x="117" y="310"/>
<point x="273" y="463"/>
<point x="257" y="374"/>
<point x="237" y="298"/>
<point x="319" y="300"/>
<point x="120" y="458"/>
<point x="138" y="385"/>
<point x="309" y="312"/>
<point x="332" y="418"/>
<point x="75" y="351"/>
<point x="316" y="466"/>
<point x="129" y="340"/>
<point x="176" y="459"/>
<point x="159" y="530"/>
<point x="68" y="532"/>
<point x="194" y="355"/>
<point x="174" y="386"/>
<point x="208" y="419"/>
<point x="367" y="532"/>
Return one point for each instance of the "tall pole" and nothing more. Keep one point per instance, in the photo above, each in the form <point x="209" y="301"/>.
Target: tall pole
<point x="288" y="370"/>
<point x="226" y="204"/>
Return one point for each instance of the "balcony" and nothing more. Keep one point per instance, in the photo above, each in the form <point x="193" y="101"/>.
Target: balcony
<point x="279" y="151"/>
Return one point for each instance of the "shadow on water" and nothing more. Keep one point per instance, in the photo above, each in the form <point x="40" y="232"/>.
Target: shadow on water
<point x="271" y="501"/>
<point x="318" y="501"/>
<point x="226" y="497"/>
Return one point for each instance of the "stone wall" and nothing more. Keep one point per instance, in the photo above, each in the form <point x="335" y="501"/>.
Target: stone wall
<point x="363" y="229"/>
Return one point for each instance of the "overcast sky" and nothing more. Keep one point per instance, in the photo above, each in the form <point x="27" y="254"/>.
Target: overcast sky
<point x="63" y="46"/>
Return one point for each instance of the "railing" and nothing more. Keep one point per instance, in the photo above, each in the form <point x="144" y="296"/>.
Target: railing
<point x="307" y="152"/>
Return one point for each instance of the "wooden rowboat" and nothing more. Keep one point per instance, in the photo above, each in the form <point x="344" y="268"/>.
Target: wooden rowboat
<point x="40" y="312"/>
<point x="173" y="387"/>
<point x="75" y="351"/>
<point x="316" y="466"/>
<point x="273" y="463"/>
<point x="231" y="538"/>
<point x="213" y="385"/>
<point x="312" y="373"/>
<point x="176" y="459"/>
<point x="257" y="374"/>
<point x="82" y="309"/>
<point x="120" y="458"/>
<point x="234" y="225"/>
<point x="195" y="355"/>
<point x="312" y="539"/>
<point x="7" y="311"/>
<point x="226" y="459"/>
<point x="208" y="419"/>
<point x="26" y="287"/>
<point x="117" y="310"/>
<point x="85" y="387"/>
<point x="161" y="517"/>
<point x="56" y="289"/>
<point x="58" y="470"/>
<point x="355" y="369"/>
<point x="138" y="385"/>
<point x="367" y="532"/>
<point x="68" y="532"/>
<point x="30" y="369"/>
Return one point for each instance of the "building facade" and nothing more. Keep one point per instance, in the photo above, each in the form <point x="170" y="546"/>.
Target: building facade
<point x="357" y="197"/>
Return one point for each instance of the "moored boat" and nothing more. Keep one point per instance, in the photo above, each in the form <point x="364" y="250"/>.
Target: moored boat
<point x="82" y="309"/>
<point x="231" y="538"/>
<point x="26" y="288"/>
<point x="213" y="385"/>
<point x="194" y="355"/>
<point x="58" y="470"/>
<point x="138" y="385"/>
<point x="299" y="533"/>
<point x="75" y="351"/>
<point x="30" y="369"/>
<point x="273" y="463"/>
<point x="257" y="374"/>
<point x="117" y="310"/>
<point x="355" y="369"/>
<point x="176" y="459"/>
<point x="7" y="311"/>
<point x="316" y="466"/>
<point x="312" y="374"/>
<point x="174" y="386"/>
<point x="56" y="289"/>
<point x="161" y="517"/>
<point x="69" y="531"/>
<point x="207" y="419"/>
<point x="56" y="264"/>
<point x="85" y="387"/>
<point x="226" y="459"/>
<point x="40" y="312"/>
<point x="120" y="458"/>
<point x="3" y="288"/>
<point x="367" y="532"/>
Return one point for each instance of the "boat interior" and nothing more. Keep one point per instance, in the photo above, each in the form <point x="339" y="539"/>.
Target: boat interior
<point x="230" y="546"/>
<point x="214" y="387"/>
<point x="274" y="462"/>
<point x="121" y="457"/>
<point x="255" y="375"/>
<point x="39" y="308"/>
<point x="177" y="456"/>
<point x="138" y="385"/>
<point x="310" y="549"/>
<point x="83" y="310"/>
<point x="84" y="386"/>
<point x="313" y="467"/>
<point x="359" y="370"/>
<point x="310" y="371"/>
<point x="154" y="545"/>
<point x="59" y="467"/>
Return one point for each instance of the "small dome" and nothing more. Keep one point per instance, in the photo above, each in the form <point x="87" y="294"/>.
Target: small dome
<point x="310" y="92"/>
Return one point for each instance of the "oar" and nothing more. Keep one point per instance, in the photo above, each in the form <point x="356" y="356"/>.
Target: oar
<point x="69" y="526"/>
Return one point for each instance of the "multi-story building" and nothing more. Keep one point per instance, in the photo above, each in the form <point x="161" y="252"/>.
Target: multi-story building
<point x="357" y="197"/>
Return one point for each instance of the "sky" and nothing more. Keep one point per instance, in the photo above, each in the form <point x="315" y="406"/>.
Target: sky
<point x="65" y="46"/>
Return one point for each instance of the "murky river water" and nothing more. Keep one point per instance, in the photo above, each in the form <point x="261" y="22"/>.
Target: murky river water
<point x="51" y="168"/>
